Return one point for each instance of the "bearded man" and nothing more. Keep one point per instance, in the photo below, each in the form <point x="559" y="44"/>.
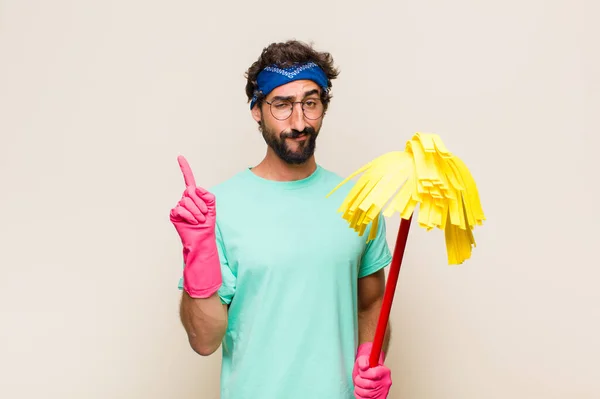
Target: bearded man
<point x="272" y="273"/>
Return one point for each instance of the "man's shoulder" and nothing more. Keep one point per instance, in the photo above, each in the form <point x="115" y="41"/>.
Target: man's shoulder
<point x="230" y="186"/>
<point x="333" y="178"/>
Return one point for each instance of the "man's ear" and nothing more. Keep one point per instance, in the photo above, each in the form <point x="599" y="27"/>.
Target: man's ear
<point x="256" y="113"/>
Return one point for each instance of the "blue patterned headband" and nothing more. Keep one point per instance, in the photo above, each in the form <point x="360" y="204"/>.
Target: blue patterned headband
<point x="272" y="77"/>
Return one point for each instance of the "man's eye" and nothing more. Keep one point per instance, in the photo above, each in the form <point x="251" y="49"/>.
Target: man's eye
<point x="281" y="105"/>
<point x="310" y="103"/>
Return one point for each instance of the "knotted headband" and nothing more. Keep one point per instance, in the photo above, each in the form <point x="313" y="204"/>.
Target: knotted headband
<point x="273" y="76"/>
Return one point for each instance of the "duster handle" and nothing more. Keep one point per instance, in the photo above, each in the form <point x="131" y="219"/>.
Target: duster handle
<point x="390" y="289"/>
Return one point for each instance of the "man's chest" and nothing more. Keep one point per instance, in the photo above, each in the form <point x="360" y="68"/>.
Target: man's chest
<point x="293" y="240"/>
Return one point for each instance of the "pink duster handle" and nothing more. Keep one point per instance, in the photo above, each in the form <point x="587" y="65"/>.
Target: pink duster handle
<point x="390" y="289"/>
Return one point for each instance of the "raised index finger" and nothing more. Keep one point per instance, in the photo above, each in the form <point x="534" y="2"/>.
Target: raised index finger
<point x="188" y="176"/>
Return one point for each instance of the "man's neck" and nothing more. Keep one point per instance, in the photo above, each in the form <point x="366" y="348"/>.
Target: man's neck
<point x="273" y="168"/>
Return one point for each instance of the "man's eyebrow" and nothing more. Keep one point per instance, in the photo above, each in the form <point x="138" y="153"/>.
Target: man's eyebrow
<point x="290" y="98"/>
<point x="311" y="92"/>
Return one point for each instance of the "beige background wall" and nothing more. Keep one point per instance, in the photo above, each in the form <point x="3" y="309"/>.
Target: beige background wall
<point x="98" y="98"/>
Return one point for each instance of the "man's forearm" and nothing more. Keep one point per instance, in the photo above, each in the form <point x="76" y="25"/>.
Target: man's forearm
<point x="367" y="325"/>
<point x="205" y="322"/>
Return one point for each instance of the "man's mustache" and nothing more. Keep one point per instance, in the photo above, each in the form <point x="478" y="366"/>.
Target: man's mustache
<point x="294" y="134"/>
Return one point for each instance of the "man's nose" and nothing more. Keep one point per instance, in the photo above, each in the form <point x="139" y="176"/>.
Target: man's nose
<point x="297" y="120"/>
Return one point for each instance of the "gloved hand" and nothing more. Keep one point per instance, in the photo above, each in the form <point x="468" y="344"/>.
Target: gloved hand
<point x="194" y="218"/>
<point x="370" y="383"/>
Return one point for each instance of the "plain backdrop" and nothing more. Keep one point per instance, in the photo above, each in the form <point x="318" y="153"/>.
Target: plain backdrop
<point x="97" y="99"/>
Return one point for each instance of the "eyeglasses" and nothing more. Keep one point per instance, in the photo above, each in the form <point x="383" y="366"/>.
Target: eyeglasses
<point x="282" y="109"/>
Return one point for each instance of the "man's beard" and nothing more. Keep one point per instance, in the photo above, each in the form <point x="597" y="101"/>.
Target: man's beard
<point x="305" y="149"/>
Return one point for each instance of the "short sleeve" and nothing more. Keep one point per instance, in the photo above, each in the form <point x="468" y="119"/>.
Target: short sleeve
<point x="227" y="289"/>
<point x="377" y="253"/>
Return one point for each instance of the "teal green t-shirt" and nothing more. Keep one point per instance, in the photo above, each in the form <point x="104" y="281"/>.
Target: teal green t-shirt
<point x="290" y="267"/>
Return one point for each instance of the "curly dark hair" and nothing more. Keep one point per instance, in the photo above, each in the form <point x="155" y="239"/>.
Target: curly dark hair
<point x="286" y="54"/>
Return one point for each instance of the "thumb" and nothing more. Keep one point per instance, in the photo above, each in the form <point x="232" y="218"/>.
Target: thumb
<point x="206" y="196"/>
<point x="363" y="363"/>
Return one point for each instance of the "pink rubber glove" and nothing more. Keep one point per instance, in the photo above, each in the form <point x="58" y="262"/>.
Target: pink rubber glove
<point x="370" y="383"/>
<point x="194" y="218"/>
